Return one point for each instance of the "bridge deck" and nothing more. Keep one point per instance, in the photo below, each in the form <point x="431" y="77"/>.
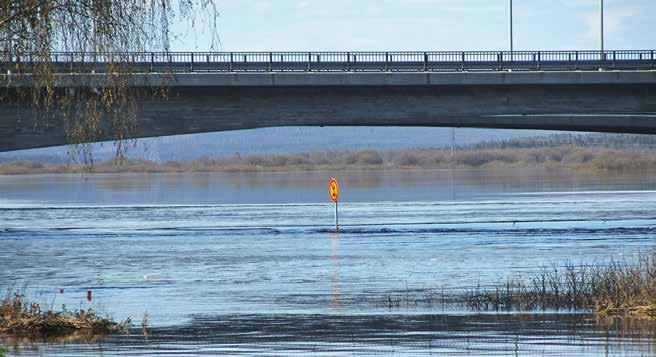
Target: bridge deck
<point x="217" y="91"/>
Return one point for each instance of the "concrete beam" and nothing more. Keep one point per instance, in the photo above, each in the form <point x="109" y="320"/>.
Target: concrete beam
<point x="282" y="79"/>
<point x="623" y="102"/>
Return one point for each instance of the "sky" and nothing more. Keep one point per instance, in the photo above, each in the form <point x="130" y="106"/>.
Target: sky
<point x="388" y="25"/>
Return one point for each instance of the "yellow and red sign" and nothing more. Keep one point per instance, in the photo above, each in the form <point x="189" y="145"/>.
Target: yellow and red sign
<point x="333" y="189"/>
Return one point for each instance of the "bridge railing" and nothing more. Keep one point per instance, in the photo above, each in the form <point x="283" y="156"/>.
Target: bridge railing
<point x="361" y="61"/>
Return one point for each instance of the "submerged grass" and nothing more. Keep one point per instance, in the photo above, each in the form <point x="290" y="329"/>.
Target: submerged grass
<point x="21" y="317"/>
<point x="618" y="289"/>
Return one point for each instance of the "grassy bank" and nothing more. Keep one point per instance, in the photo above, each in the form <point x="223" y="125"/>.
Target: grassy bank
<point x="566" y="157"/>
<point x="21" y="317"/>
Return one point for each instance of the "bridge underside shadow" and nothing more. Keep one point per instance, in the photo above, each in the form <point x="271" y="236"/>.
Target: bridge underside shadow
<point x="619" y="108"/>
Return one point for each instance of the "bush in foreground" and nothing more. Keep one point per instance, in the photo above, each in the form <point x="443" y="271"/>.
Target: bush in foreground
<point x="19" y="316"/>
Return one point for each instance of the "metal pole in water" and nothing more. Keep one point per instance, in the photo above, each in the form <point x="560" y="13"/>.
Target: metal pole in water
<point x="336" y="218"/>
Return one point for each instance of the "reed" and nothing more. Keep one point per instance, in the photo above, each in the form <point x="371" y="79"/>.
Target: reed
<point x="617" y="289"/>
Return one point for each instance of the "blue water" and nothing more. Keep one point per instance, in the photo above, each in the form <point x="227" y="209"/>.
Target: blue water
<point x="250" y="264"/>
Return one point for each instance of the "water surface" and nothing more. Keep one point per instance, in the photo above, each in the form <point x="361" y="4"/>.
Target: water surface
<point x="247" y="263"/>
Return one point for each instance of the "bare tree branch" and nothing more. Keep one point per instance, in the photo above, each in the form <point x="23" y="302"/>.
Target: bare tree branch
<point x="36" y="28"/>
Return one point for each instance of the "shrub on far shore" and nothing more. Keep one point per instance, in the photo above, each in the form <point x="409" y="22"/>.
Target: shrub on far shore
<point x="561" y="157"/>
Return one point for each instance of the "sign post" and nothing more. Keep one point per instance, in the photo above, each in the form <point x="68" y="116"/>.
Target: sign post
<point x="333" y="192"/>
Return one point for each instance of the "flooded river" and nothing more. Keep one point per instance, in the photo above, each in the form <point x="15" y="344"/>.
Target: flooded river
<point x="247" y="263"/>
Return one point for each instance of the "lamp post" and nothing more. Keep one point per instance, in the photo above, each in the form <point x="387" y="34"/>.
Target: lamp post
<point x="602" y="26"/>
<point x="511" y="26"/>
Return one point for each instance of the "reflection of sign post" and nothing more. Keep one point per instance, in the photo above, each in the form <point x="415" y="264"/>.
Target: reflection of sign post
<point x="333" y="191"/>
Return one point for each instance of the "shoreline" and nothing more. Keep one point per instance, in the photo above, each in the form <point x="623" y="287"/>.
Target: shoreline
<point x="567" y="158"/>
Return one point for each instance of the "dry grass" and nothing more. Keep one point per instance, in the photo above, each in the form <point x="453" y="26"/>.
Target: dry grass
<point x="618" y="289"/>
<point x="562" y="157"/>
<point x="19" y="316"/>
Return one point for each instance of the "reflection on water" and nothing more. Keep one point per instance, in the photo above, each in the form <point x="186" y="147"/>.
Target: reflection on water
<point x="423" y="334"/>
<point x="250" y="264"/>
<point x="334" y="283"/>
<point x="286" y="187"/>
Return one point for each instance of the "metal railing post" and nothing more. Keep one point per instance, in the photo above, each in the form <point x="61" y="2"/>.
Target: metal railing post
<point x="309" y="61"/>
<point x="386" y="61"/>
<point x="425" y="62"/>
<point x="348" y="61"/>
<point x="652" y="59"/>
<point x="192" y="61"/>
<point x="613" y="59"/>
<point x="462" y="64"/>
<point x="232" y="60"/>
<point x="500" y="60"/>
<point x="539" y="59"/>
<point x="576" y="60"/>
<point x="152" y="61"/>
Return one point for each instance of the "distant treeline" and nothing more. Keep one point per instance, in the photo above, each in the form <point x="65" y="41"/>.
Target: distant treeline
<point x="591" y="152"/>
<point x="570" y="157"/>
<point x="610" y="141"/>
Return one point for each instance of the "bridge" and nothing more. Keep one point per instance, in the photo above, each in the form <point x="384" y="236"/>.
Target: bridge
<point x="602" y="91"/>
